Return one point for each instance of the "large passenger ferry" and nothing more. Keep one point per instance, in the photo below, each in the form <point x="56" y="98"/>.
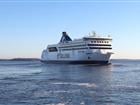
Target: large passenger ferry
<point x="87" y="50"/>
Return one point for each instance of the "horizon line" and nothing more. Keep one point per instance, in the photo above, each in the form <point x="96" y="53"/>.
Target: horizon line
<point x="39" y="58"/>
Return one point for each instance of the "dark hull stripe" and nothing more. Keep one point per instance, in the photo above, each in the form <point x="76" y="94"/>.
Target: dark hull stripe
<point x="73" y="49"/>
<point x="75" y="62"/>
<point x="99" y="45"/>
<point x="68" y="46"/>
<point x="99" y="48"/>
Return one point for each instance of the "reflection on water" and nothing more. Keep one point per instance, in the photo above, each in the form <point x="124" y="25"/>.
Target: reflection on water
<point x="78" y="73"/>
<point x="34" y="83"/>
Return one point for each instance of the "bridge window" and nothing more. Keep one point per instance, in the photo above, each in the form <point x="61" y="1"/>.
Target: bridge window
<point x="52" y="49"/>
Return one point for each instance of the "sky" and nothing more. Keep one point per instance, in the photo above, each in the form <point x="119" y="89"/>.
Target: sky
<point x="28" y="26"/>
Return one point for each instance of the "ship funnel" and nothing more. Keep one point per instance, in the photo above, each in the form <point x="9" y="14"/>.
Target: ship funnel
<point x="65" y="38"/>
<point x="64" y="33"/>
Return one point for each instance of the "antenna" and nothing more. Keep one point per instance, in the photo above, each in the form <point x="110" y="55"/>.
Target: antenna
<point x="89" y="34"/>
<point x="94" y="33"/>
<point x="109" y="35"/>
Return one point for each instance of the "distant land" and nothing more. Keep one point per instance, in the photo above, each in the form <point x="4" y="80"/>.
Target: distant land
<point x="20" y="59"/>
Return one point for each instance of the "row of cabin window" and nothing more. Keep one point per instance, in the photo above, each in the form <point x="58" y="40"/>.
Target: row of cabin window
<point x="100" y="41"/>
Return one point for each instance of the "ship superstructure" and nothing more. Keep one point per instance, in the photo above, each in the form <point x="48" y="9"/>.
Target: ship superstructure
<point x="87" y="50"/>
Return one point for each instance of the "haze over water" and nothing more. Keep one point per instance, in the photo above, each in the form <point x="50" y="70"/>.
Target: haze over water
<point x="35" y="83"/>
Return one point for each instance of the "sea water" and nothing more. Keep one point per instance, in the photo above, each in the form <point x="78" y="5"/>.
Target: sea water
<point x="35" y="83"/>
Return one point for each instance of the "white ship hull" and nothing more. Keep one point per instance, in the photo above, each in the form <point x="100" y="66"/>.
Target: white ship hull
<point x="89" y="50"/>
<point x="77" y="57"/>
